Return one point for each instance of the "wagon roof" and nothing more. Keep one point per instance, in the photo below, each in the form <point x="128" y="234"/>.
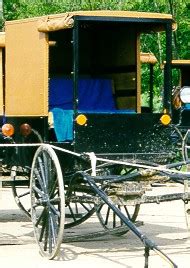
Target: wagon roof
<point x="54" y="22"/>
<point x="2" y="39"/>
<point x="180" y="63"/>
<point x="148" y="58"/>
<point x="105" y="13"/>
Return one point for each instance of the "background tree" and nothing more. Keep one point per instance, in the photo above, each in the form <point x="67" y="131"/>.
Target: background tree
<point x="180" y="9"/>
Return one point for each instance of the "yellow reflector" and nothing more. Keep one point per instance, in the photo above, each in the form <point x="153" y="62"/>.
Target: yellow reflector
<point x="8" y="130"/>
<point x="165" y="119"/>
<point x="81" y="119"/>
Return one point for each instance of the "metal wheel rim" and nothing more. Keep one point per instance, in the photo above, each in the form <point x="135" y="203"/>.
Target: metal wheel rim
<point x="48" y="238"/>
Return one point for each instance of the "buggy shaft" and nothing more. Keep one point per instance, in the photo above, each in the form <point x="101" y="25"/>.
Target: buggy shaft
<point x="145" y="240"/>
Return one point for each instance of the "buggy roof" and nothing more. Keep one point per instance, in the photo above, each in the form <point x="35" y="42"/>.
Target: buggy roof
<point x="106" y="13"/>
<point x="148" y="58"/>
<point x="180" y="63"/>
<point x="65" y="20"/>
<point x="2" y="39"/>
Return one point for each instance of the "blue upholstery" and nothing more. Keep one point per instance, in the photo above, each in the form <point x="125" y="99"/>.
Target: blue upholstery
<point x="93" y="94"/>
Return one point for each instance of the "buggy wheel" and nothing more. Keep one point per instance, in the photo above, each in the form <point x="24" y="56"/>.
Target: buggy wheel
<point x="187" y="204"/>
<point x="186" y="156"/>
<point x="77" y="212"/>
<point x="47" y="201"/>
<point x="186" y="147"/>
<point x="20" y="188"/>
<point x="20" y="172"/>
<point x="177" y="144"/>
<point x="109" y="220"/>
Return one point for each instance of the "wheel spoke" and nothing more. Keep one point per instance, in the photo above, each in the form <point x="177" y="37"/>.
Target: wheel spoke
<point x="40" y="217"/>
<point x="43" y="227"/>
<point x="45" y="165"/>
<point x="120" y="221"/>
<point x="38" y="191"/>
<point x="53" y="191"/>
<point x="56" y="212"/>
<point x="127" y="212"/>
<point x="46" y="228"/>
<point x="76" y="208"/>
<point x="85" y="207"/>
<point x="107" y="216"/>
<point x="50" y="234"/>
<point x="114" y="220"/>
<point x="41" y="166"/>
<point x="72" y="213"/>
<point x="55" y="200"/>
<point x="38" y="178"/>
<point x="24" y="194"/>
<point x="109" y="219"/>
<point x="54" y="228"/>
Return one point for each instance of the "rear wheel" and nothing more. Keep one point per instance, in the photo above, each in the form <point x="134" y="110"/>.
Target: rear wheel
<point x="187" y="204"/>
<point x="20" y="188"/>
<point x="186" y="156"/>
<point x="186" y="147"/>
<point x="78" y="210"/>
<point x="109" y="220"/>
<point x="20" y="171"/>
<point x="177" y="142"/>
<point x="47" y="201"/>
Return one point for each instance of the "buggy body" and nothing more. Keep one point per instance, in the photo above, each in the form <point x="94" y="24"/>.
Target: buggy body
<point x="88" y="73"/>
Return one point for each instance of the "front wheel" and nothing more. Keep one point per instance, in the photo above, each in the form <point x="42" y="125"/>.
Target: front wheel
<point x="47" y="201"/>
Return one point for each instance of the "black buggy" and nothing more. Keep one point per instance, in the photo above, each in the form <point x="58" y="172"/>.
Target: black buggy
<point x="74" y="131"/>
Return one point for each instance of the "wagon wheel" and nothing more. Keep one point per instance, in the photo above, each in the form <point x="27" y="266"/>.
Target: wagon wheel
<point x="187" y="204"/>
<point x="177" y="143"/>
<point x="107" y="217"/>
<point x="186" y="156"/>
<point x="173" y="139"/>
<point x="109" y="220"/>
<point x="77" y="212"/>
<point x="20" y="173"/>
<point x="47" y="201"/>
<point x="20" y="188"/>
<point x="79" y="202"/>
<point x="186" y="147"/>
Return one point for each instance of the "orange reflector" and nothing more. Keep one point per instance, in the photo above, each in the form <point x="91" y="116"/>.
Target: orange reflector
<point x="81" y="119"/>
<point x="165" y="119"/>
<point x="25" y="129"/>
<point x="8" y="130"/>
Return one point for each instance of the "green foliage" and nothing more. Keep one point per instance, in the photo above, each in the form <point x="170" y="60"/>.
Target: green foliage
<point x="157" y="101"/>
